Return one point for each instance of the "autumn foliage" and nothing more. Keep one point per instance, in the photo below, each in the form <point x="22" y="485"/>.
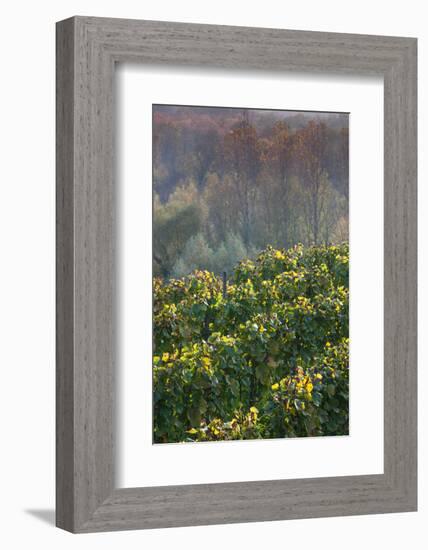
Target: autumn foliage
<point x="227" y="182"/>
<point x="265" y="357"/>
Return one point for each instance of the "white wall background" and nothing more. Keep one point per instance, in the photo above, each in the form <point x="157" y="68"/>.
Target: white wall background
<point x="27" y="272"/>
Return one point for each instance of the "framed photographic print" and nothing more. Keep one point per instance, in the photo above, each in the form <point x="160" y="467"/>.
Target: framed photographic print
<point x="250" y="264"/>
<point x="236" y="274"/>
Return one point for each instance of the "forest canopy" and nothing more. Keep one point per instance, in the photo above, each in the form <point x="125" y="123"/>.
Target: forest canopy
<point x="228" y="182"/>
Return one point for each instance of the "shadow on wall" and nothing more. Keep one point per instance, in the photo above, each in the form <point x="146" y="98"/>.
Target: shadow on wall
<point x="46" y="515"/>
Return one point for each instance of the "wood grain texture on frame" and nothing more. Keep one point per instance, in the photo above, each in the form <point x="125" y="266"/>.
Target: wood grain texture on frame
<point x="87" y="50"/>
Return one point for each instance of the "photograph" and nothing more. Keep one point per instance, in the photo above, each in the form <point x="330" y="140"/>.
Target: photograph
<point x="250" y="274"/>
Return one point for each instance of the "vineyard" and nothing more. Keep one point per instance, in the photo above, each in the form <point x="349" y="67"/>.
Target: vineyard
<point x="263" y="355"/>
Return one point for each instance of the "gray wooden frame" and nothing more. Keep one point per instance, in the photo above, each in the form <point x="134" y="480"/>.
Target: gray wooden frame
<point x="87" y="50"/>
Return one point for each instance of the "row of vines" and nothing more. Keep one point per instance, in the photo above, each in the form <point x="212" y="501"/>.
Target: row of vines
<point x="265" y="357"/>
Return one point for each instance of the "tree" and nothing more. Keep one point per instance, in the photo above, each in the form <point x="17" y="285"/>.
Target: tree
<point x="222" y="206"/>
<point x="174" y="222"/>
<point x="338" y="159"/>
<point x="276" y="191"/>
<point x="196" y="255"/>
<point x="167" y="154"/>
<point x="242" y="157"/>
<point x="244" y="180"/>
<point x="310" y="162"/>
